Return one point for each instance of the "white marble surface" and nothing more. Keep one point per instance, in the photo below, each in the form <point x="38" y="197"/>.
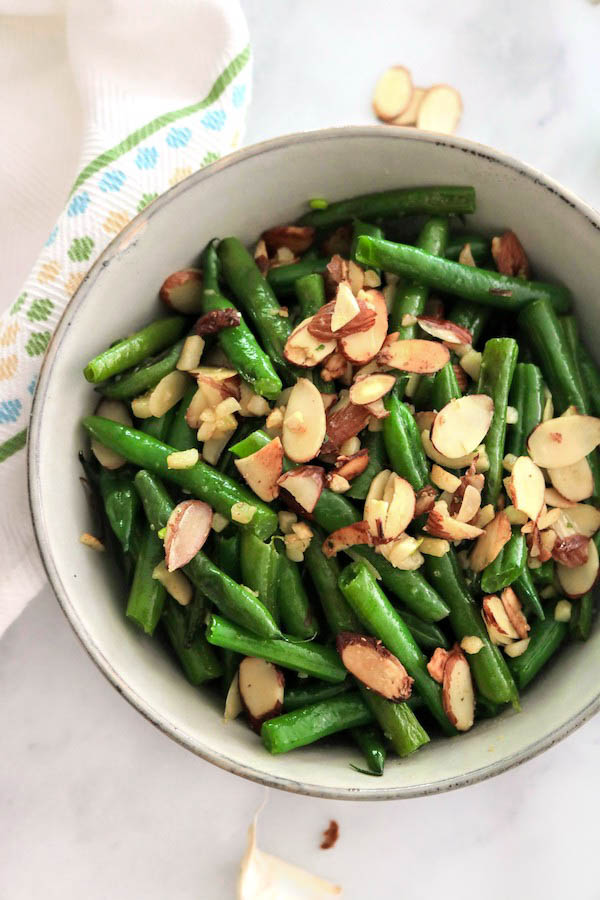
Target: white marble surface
<point x="96" y="803"/>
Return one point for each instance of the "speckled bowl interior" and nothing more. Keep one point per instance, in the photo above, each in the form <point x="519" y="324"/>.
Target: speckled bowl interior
<point x="241" y="195"/>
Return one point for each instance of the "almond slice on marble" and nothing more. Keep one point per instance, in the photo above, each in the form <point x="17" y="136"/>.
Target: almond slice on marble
<point x="352" y="466"/>
<point x="571" y="551"/>
<point x="363" y="346"/>
<point x="497" y="622"/>
<point x="409" y="116"/>
<point x="379" y="670"/>
<point x="577" y="582"/>
<point x="371" y="388"/>
<point x="553" y="498"/>
<point x="393" y="93"/>
<point x="440" y="109"/>
<point x="444" y="330"/>
<point x="526" y="487"/>
<point x="470" y="504"/>
<point x="345" y="309"/>
<point x="305" y="485"/>
<point x="574" y="482"/>
<point x="458" y="694"/>
<point x="297" y="238"/>
<point x="182" y="291"/>
<point x="580" y="518"/>
<point x="564" y="441"/>
<point x="116" y="411"/>
<point x="437" y="664"/>
<point x="400" y="498"/>
<point x="304" y="350"/>
<point x="415" y="355"/>
<point x="348" y="536"/>
<point x="261" y="686"/>
<point x="514" y="611"/>
<point x="261" y="470"/>
<point x="461" y="425"/>
<point x="440" y="524"/>
<point x="457" y="463"/>
<point x="303" y="423"/>
<point x="187" y="530"/>
<point x="490" y="543"/>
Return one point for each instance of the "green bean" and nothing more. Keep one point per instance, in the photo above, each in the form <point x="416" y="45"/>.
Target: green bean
<point x="488" y="666"/>
<point x="147" y="595"/>
<point x="528" y="595"/>
<point x="580" y="626"/>
<point x="325" y="572"/>
<point x="544" y="640"/>
<point x="397" y="721"/>
<point x="358" y="228"/>
<point x="445" y="387"/>
<point x="227" y="553"/>
<point x="134" y="349"/>
<point x="232" y="599"/>
<point x="410" y="299"/>
<point x="543" y="575"/>
<point x="259" y="564"/>
<point x="478" y="285"/>
<point x="158" y="426"/>
<point x="497" y="368"/>
<point x="369" y="742"/>
<point x="486" y="709"/>
<point x="471" y="316"/>
<point x="480" y="247"/>
<point x="121" y="502"/>
<point x="313" y="692"/>
<point x="198" y="661"/>
<point x="403" y="443"/>
<point x="311" y="658"/>
<point x="508" y="566"/>
<point x="202" y="480"/>
<point x="283" y="278"/>
<point x="527" y="397"/>
<point x="427" y="634"/>
<point x="423" y="396"/>
<point x="238" y="344"/>
<point x="381" y="619"/>
<point x="433" y="201"/>
<point x="590" y="377"/>
<point x="230" y="662"/>
<point x="310" y="293"/>
<point x="131" y="384"/>
<point x="292" y="600"/>
<point x="195" y="616"/>
<point x="312" y="723"/>
<point x="374" y="443"/>
<point x="180" y="435"/>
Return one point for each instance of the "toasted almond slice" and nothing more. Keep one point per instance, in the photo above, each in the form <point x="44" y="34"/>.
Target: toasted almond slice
<point x="371" y="388"/>
<point x="393" y="93"/>
<point x="470" y="362"/>
<point x="437" y="664"/>
<point x="553" y="498"/>
<point x="497" y="622"/>
<point x="378" y="485"/>
<point x="305" y="408"/>
<point x="350" y="447"/>
<point x="514" y="611"/>
<point x="182" y="291"/>
<point x="465" y="257"/>
<point x="571" y="551"/>
<point x="217" y="373"/>
<point x="484" y="516"/>
<point x="303" y="349"/>
<point x="440" y="109"/>
<point x="458" y="695"/>
<point x="116" y="411"/>
<point x="440" y="524"/>
<point x="564" y="441"/>
<point x="517" y="648"/>
<point x="402" y="553"/>
<point x="471" y="644"/>
<point x="577" y="582"/>
<point x="444" y="330"/>
<point x="379" y="670"/>
<point x="433" y="454"/>
<point x="91" y="541"/>
<point x="261" y="687"/>
<point x="409" y="116"/>
<point x="425" y="499"/>
<point x="471" y="503"/>
<point x="400" y="497"/>
<point x="491" y="542"/>
<point x="187" y="530"/>
<point x="375" y="514"/>
<point x="415" y="355"/>
<point x="578" y="519"/>
<point x="574" y="482"/>
<point x="443" y="479"/>
<point x="509" y="256"/>
<point x="233" y="701"/>
<point x="346" y="307"/>
<point x="350" y="467"/>
<point x="175" y="583"/>
<point x="527" y="487"/>
<point x="337" y="483"/>
<point x="348" y="536"/>
<point x="305" y="485"/>
<point x="462" y="424"/>
<point x="377" y="409"/>
<point x="434" y="546"/>
<point x="425" y="420"/>
<point x="547" y="518"/>
<point x="363" y="346"/>
<point x="261" y="470"/>
<point x="297" y="238"/>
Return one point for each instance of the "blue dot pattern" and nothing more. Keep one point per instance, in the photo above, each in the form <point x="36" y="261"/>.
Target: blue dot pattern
<point x="146" y="158"/>
<point x="32" y="384"/>
<point x="178" y="137"/>
<point x="112" y="181"/>
<point x="237" y="97"/>
<point x="9" y="411"/>
<point x="78" y="204"/>
<point x="214" y="119"/>
<point x="52" y="236"/>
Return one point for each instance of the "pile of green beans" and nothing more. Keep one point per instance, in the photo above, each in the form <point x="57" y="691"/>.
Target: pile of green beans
<point x="249" y="596"/>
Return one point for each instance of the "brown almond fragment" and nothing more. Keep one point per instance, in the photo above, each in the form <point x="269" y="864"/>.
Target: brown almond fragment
<point x="261" y="470"/>
<point x="261" y="686"/>
<point x="304" y="484"/>
<point x="440" y="524"/>
<point x="509" y="256"/>
<point x="437" y="664"/>
<point x="345" y="423"/>
<point x="352" y="466"/>
<point x="261" y="257"/>
<point x="217" y="319"/>
<point x="330" y="835"/>
<point x="187" y="530"/>
<point x="361" y="347"/>
<point x="571" y="551"/>
<point x="379" y="670"/>
<point x="445" y="330"/>
<point x="424" y="500"/>
<point x="182" y="291"/>
<point x="458" y="695"/>
<point x="490" y="543"/>
<point x="348" y="536"/>
<point x="321" y="325"/>
<point x="514" y="611"/>
<point x="499" y="627"/>
<point x="335" y="367"/>
<point x="297" y="237"/>
<point x="415" y="355"/>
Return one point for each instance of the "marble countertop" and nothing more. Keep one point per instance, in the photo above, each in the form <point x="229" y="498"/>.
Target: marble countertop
<point x="96" y="803"/>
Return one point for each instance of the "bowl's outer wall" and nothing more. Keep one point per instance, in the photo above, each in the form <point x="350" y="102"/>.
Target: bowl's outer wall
<point x="241" y="196"/>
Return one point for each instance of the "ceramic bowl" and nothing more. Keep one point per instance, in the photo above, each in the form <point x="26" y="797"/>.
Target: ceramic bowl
<point x="241" y="195"/>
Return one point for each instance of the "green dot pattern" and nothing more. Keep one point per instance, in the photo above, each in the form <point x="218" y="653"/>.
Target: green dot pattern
<point x="40" y="310"/>
<point x="18" y="304"/>
<point x="145" y="201"/>
<point x="37" y="342"/>
<point x="80" y="249"/>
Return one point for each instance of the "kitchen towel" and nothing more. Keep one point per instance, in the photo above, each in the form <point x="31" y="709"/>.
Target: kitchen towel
<point x="164" y="88"/>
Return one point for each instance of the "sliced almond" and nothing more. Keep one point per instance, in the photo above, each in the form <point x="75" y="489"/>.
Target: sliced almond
<point x="409" y="116"/>
<point x="564" y="441"/>
<point x="425" y="499"/>
<point x="233" y="701"/>
<point x="353" y="314"/>
<point x="348" y="536"/>
<point x="371" y="388"/>
<point x="344" y="420"/>
<point x="305" y="484"/>
<point x="437" y="664"/>
<point x="415" y="355"/>
<point x="465" y="257"/>
<point x="402" y="553"/>
<point x="336" y="367"/>
<point x="305" y="408"/>
<point x="553" y="498"/>
<point x="440" y="524"/>
<point x="574" y="482"/>
<point x="303" y="349"/>
<point x="262" y="470"/>
<point x="433" y="454"/>
<point x="444" y="480"/>
<point x="444" y="330"/>
<point x="509" y="256"/>
<point x="379" y="670"/>
<point x="527" y="487"/>
<point x="377" y="409"/>
<point x="580" y="518"/>
<point x="261" y="686"/>
<point x="182" y="291"/>
<point x="491" y="542"/>
<point x="517" y="648"/>
<point x="297" y="238"/>
<point x="470" y="362"/>
<point x="471" y="644"/>
<point x="484" y="516"/>
<point x="440" y="109"/>
<point x="378" y="485"/>
<point x="350" y="467"/>
<point x="116" y="411"/>
<point x="187" y="530"/>
<point x="346" y="307"/>
<point x="361" y="347"/>
<point x="434" y="546"/>
<point x="167" y="393"/>
<point x="458" y="695"/>
<point x="548" y="518"/>
<point x="425" y="420"/>
<point x="462" y="424"/>
<point x="400" y="497"/>
<point x="393" y="93"/>
<point x="470" y="504"/>
<point x="577" y="582"/>
<point x="175" y="583"/>
<point x="514" y="611"/>
<point x="375" y="514"/>
<point x="497" y="622"/>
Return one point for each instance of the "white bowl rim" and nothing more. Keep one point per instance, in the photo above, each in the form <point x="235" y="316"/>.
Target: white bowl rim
<point x="126" y="236"/>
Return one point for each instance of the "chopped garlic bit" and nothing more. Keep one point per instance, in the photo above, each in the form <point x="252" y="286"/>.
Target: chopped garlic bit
<point x="350" y="447"/>
<point x="242" y="513"/>
<point x="183" y="459"/>
<point x="471" y="644"/>
<point x="562" y="611"/>
<point x="93" y="542"/>
<point x="471" y="363"/>
<point x="219" y="522"/>
<point x="512" y="415"/>
<point x="191" y="353"/>
<point x="482" y="463"/>
<point x="286" y="520"/>
<point x="297" y="541"/>
<point x="175" y="583"/>
<point x="338" y="484"/>
<point x="509" y="461"/>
